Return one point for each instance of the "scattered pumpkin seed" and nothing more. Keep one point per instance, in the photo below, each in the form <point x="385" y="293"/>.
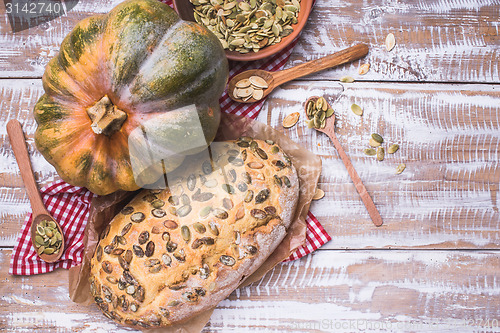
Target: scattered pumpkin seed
<point x="347" y="79"/>
<point x="319" y="194"/>
<point x="380" y="153"/>
<point x="377" y="137"/>
<point x="393" y="148"/>
<point x="370" y="151"/>
<point x="357" y="109"/>
<point x="400" y="168"/>
<point x="363" y="69"/>
<point x="374" y="143"/>
<point x="390" y="42"/>
<point x="291" y="120"/>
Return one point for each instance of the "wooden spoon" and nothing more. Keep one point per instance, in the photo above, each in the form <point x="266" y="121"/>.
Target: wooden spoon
<point x="329" y="130"/>
<point x="275" y="79"/>
<point x="40" y="213"/>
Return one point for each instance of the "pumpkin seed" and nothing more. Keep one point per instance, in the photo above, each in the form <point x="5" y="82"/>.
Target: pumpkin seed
<point x="174" y="200"/>
<point x="108" y="249"/>
<point x="202" y="197"/>
<point x="390" y="42"/>
<point x="262" y="154"/>
<point x="127" y="210"/>
<point x="165" y="258"/>
<point x="143" y="237"/>
<point x="211" y="183"/>
<point x="380" y="153"/>
<point x="138" y="251"/>
<point x="255" y="165"/>
<point x="169" y="224"/>
<point x="171" y="246"/>
<point x="228" y="188"/>
<point x="184" y="210"/>
<point x="191" y="182"/>
<point x="123" y="263"/>
<point x="186" y="233"/>
<point x="112" y="279"/>
<point x="291" y="120"/>
<point x="363" y="69"/>
<point x="196" y="244"/>
<point x="258" y="82"/>
<point x="393" y="148"/>
<point x="227" y="260"/>
<point x="165" y="236"/>
<point x="199" y="227"/>
<point x="220" y="213"/>
<point x="319" y="194"/>
<point x="370" y="151"/>
<point x="206" y="167"/>
<point x="158" y="203"/>
<point x="270" y="210"/>
<point x="240" y="213"/>
<point x="106" y="267"/>
<point x="274" y="150"/>
<point x="205" y="211"/>
<point x="248" y="196"/>
<point x="251" y="249"/>
<point x="214" y="229"/>
<point x="242" y="83"/>
<point x="204" y="272"/>
<point x="130" y="290"/>
<point x="262" y="196"/>
<point x="117" y="252"/>
<point x="377" y="137"/>
<point x="180" y="255"/>
<point x="98" y="253"/>
<point x="246" y="177"/>
<point x="286" y="181"/>
<point x="356" y="109"/>
<point x="258" y="214"/>
<point x="155" y="269"/>
<point x="278" y="181"/>
<point x="137" y="217"/>
<point x="49" y="250"/>
<point x="158" y="212"/>
<point x="373" y="143"/>
<point x="126" y="229"/>
<point x="150" y="249"/>
<point x="128" y="256"/>
<point x="400" y="168"/>
<point x="347" y="79"/>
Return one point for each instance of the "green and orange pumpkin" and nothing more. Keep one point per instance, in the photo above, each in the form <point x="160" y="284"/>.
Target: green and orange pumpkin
<point x="137" y="74"/>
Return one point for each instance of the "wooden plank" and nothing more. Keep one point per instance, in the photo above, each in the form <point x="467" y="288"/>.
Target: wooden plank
<point x="449" y="138"/>
<point x="437" y="40"/>
<point x="450" y="141"/>
<point x="392" y="290"/>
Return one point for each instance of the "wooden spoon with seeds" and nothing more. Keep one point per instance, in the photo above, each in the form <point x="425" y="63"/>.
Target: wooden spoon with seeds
<point x="275" y="79"/>
<point x="328" y="127"/>
<point x="40" y="213"/>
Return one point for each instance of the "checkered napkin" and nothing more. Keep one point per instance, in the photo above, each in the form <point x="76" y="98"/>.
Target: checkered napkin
<point x="70" y="205"/>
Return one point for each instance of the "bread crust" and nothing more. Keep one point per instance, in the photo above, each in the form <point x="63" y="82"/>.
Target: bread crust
<point x="167" y="257"/>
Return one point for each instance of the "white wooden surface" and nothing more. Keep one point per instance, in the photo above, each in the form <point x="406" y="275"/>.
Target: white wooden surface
<point x="433" y="266"/>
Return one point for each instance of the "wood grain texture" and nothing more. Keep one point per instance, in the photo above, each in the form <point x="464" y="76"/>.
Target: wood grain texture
<point x="436" y="40"/>
<point x="393" y="289"/>
<point x="449" y="138"/>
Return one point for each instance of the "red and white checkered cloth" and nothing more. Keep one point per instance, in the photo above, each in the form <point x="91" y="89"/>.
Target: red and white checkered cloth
<point x="70" y="205"/>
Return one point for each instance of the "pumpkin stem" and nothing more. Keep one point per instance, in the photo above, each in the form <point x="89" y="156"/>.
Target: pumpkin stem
<point x="106" y="117"/>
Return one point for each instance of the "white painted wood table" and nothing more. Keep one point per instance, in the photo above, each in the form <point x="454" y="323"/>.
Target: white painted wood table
<point x="433" y="266"/>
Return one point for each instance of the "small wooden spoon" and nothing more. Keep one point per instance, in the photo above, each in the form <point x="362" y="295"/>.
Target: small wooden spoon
<point x="275" y="79"/>
<point x="329" y="130"/>
<point x="40" y="213"/>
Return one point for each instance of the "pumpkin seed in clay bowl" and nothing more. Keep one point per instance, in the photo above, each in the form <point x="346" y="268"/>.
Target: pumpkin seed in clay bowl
<point x="248" y="30"/>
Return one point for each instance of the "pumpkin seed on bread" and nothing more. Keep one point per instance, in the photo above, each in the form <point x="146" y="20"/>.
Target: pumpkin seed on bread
<point x="191" y="244"/>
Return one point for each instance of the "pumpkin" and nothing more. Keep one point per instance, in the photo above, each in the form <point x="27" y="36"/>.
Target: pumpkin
<point x="129" y="95"/>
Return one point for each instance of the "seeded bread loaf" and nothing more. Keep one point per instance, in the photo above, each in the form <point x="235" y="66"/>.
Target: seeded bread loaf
<point x="173" y="253"/>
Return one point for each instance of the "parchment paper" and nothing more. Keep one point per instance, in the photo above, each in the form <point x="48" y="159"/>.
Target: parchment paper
<point x="104" y="208"/>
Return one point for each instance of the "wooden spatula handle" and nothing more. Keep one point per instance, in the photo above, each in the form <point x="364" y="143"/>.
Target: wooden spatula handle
<point x="347" y="55"/>
<point x="360" y="187"/>
<point x="16" y="137"/>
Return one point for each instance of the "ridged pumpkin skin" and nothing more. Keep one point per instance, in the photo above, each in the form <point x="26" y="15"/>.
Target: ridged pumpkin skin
<point x="148" y="63"/>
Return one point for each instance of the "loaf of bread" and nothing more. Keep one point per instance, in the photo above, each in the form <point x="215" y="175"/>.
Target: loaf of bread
<point x="172" y="253"/>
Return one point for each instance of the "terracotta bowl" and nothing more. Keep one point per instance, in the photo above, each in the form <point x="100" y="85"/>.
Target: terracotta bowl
<point x="185" y="10"/>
